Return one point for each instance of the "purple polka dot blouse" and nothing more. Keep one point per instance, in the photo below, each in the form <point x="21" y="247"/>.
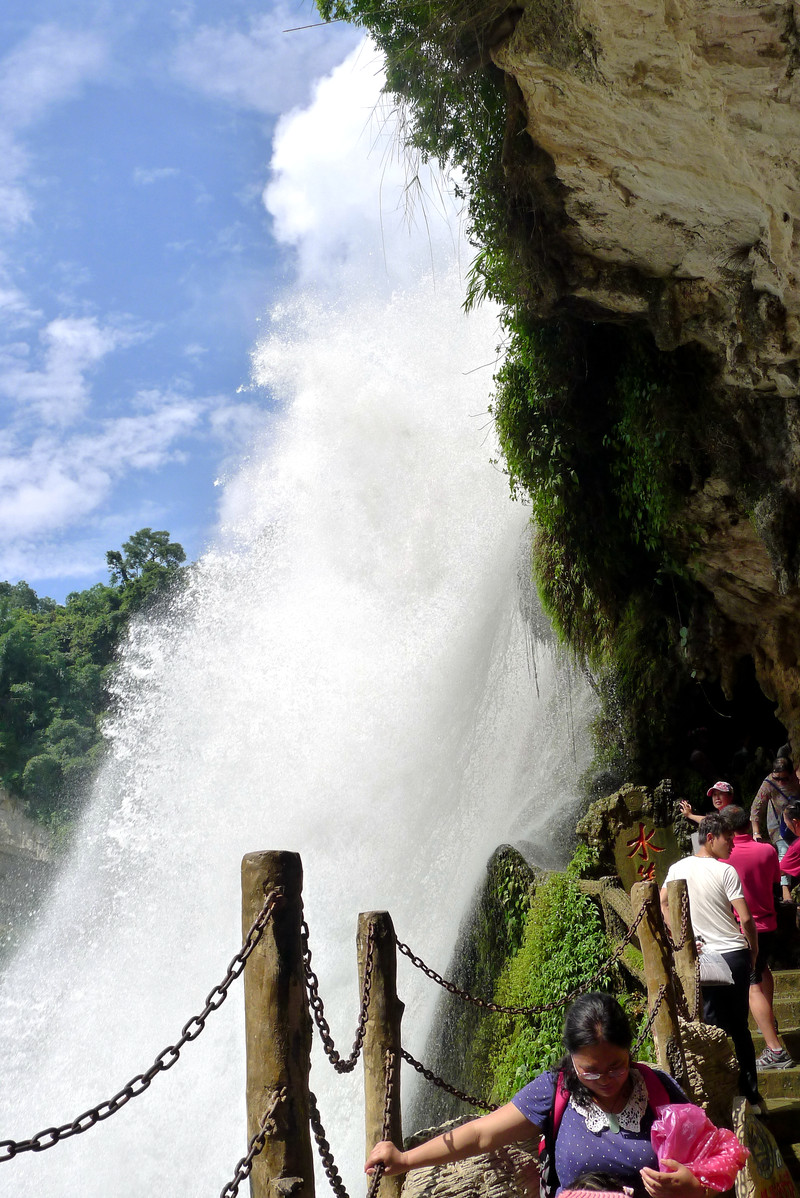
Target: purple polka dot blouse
<point x="579" y="1150"/>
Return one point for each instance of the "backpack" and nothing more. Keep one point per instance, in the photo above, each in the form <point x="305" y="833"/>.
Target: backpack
<point x="657" y="1096"/>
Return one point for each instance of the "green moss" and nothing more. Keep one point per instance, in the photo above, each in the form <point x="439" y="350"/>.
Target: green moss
<point x="634" y="957"/>
<point x="563" y="947"/>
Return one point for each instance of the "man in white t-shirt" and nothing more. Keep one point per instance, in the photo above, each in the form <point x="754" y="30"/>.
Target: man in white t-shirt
<point x="715" y="892"/>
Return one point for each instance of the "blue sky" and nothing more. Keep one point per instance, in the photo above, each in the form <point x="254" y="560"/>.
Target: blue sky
<point x="138" y="258"/>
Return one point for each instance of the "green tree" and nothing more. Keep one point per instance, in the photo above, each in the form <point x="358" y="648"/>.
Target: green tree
<point x="55" y="660"/>
<point x="148" y="563"/>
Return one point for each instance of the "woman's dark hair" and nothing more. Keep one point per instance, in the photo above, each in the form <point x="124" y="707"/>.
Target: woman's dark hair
<point x="592" y="1019"/>
<point x="783" y="765"/>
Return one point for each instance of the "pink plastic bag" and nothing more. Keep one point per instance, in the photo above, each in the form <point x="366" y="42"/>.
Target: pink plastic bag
<point x="684" y="1133"/>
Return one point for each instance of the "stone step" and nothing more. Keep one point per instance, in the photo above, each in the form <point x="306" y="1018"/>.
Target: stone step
<point x="787" y="982"/>
<point x="782" y="1117"/>
<point x="780" y="1083"/>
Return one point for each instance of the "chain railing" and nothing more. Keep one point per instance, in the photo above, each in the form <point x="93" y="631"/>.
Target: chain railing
<point x="429" y="1075"/>
<point x="166" y="1059"/>
<point x="698" y="994"/>
<point x="390" y="1063"/>
<point x="51" y="1136"/>
<point x="640" y="1039"/>
<point x="326" y="1156"/>
<point x="676" y="947"/>
<point x="451" y="987"/>
<point x="318" y="1007"/>
<point x="265" y="1128"/>
<point x="323" y="1147"/>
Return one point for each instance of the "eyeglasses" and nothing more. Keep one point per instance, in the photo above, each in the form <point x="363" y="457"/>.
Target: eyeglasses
<point x="587" y="1076"/>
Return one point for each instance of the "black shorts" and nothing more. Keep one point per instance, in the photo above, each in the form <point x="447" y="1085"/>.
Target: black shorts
<point x="764" y="948"/>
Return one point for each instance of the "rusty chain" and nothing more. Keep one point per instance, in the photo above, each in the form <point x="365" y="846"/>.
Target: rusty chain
<point x="265" y="1128"/>
<point x="318" y="1007"/>
<point x="377" y="1174"/>
<point x="165" y="1059"/>
<point x="682" y="1003"/>
<point x="676" y="947"/>
<point x="325" y="1155"/>
<point x="451" y="987"/>
<point x="698" y="994"/>
<point x="480" y="1103"/>
<point x="662" y="990"/>
<point x="324" y="1148"/>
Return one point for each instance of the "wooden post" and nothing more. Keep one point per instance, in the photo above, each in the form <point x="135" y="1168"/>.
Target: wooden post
<point x="658" y="972"/>
<point x="686" y="956"/>
<point x="278" y="1029"/>
<point x="385" y="1013"/>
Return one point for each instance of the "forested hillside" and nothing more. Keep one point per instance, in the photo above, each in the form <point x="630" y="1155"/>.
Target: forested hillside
<point x="55" y="661"/>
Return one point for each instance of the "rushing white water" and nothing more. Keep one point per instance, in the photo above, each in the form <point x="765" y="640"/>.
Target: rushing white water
<point x="347" y="677"/>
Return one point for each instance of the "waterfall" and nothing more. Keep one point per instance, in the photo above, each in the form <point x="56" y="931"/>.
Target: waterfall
<point x="347" y="676"/>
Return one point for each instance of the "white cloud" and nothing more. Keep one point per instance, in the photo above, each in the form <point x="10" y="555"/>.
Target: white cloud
<point x="261" y="67"/>
<point x="15" y="310"/>
<point x="51" y="485"/>
<point x="143" y="177"/>
<point x="57" y="392"/>
<point x="341" y="190"/>
<point x="48" y="67"/>
<point x="237" y="425"/>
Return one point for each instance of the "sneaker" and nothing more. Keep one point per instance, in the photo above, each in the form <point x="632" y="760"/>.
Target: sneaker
<point x="774" y="1060"/>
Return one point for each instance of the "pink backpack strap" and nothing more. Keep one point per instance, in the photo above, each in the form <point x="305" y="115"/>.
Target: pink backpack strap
<point x="657" y="1093"/>
<point x="560" y="1103"/>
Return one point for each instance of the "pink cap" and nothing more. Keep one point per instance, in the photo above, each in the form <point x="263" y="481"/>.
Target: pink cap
<point x="724" y="787"/>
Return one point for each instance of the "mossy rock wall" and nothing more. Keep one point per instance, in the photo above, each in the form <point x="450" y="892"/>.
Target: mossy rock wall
<point x="489" y="934"/>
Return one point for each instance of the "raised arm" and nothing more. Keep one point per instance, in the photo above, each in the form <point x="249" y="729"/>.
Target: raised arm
<point x="686" y="810"/>
<point x="504" y="1126"/>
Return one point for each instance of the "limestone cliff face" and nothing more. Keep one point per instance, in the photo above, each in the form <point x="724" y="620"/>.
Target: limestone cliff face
<point x="672" y="133"/>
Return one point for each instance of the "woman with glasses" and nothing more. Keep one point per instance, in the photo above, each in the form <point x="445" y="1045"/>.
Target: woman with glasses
<point x="604" y="1127"/>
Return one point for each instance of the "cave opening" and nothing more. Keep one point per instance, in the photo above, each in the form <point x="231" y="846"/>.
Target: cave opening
<point x="731" y="738"/>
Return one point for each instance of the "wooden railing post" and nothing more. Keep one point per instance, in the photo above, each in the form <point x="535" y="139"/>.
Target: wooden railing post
<point x="278" y="1029"/>
<point x="382" y="1035"/>
<point x="658" y="974"/>
<point x="685" y="957"/>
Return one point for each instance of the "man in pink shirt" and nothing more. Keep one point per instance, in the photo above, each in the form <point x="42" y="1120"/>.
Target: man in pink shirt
<point x="759" y="870"/>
